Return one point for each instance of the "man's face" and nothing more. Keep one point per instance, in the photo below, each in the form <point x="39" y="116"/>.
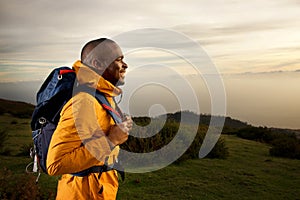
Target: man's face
<point x="115" y="72"/>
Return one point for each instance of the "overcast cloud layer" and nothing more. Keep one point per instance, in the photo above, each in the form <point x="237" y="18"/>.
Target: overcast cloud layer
<point x="240" y="37"/>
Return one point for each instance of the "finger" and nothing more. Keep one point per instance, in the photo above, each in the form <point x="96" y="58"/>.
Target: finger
<point x="127" y="120"/>
<point x="129" y="124"/>
<point x="125" y="127"/>
<point x="126" y="117"/>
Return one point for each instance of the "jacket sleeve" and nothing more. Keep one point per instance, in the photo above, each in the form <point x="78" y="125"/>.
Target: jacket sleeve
<point x="79" y="141"/>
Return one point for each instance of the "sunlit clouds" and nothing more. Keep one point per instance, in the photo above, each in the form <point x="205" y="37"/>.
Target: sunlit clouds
<point x="255" y="46"/>
<point x="239" y="36"/>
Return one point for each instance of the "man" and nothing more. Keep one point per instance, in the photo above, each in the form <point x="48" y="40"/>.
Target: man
<point x="86" y="135"/>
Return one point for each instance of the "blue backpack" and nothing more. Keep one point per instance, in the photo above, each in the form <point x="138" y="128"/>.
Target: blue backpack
<point x="54" y="93"/>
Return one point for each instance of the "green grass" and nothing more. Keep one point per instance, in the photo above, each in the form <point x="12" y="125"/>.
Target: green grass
<point x="18" y="130"/>
<point x="248" y="173"/>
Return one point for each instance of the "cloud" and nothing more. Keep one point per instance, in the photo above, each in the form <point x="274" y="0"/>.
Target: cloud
<point x="222" y="33"/>
<point x="20" y="91"/>
<point x="258" y="36"/>
<point x="249" y="45"/>
<point x="229" y="30"/>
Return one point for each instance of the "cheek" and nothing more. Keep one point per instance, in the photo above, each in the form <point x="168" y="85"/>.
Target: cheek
<point x="115" y="70"/>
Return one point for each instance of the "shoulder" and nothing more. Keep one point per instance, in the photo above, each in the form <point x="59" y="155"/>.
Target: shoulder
<point x="82" y="100"/>
<point x="83" y="97"/>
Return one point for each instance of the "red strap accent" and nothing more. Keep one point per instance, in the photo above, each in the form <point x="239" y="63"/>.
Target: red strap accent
<point x="64" y="71"/>
<point x="111" y="109"/>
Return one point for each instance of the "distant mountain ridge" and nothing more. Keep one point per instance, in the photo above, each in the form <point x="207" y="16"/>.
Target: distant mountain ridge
<point x="16" y="108"/>
<point x="24" y="110"/>
<point x="190" y="117"/>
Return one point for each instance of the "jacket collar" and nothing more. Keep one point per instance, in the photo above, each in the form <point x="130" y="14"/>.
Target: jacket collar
<point x="87" y="76"/>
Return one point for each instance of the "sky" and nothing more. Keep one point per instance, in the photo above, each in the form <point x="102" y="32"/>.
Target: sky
<point x="254" y="46"/>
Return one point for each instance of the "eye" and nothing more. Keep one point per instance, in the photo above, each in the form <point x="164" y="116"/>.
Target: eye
<point x="119" y="59"/>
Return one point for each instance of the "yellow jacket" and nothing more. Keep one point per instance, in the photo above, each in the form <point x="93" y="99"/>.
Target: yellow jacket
<point x="79" y="142"/>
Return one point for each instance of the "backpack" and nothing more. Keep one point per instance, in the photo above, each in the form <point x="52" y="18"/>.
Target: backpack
<point x="54" y="93"/>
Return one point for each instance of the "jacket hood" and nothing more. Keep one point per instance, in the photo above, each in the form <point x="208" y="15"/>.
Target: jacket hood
<point x="87" y="76"/>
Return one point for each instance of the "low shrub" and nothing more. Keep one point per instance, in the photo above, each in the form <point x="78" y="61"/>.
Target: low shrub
<point x="163" y="137"/>
<point x="253" y="133"/>
<point x="219" y="150"/>
<point x="3" y="139"/>
<point x="283" y="144"/>
<point x="6" y="151"/>
<point x="20" y="186"/>
<point x="287" y="147"/>
<point x="22" y="113"/>
<point x="25" y="149"/>
<point x="14" y="122"/>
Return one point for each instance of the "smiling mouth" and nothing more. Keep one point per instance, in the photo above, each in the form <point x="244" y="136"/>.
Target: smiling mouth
<point x="122" y="74"/>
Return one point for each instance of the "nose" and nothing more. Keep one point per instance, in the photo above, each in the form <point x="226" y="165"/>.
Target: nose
<point x="125" y="66"/>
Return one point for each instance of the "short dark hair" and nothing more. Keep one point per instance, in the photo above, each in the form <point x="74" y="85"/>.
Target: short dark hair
<point x="103" y="50"/>
<point x="88" y="47"/>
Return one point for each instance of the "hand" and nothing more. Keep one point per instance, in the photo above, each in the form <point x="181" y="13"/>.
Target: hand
<point x="127" y="124"/>
<point x="118" y="134"/>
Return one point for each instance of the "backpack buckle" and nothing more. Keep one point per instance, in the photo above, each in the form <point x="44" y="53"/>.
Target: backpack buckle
<point x="42" y="120"/>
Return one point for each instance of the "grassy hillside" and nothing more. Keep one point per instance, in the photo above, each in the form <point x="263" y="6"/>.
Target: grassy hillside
<point x="16" y="108"/>
<point x="248" y="173"/>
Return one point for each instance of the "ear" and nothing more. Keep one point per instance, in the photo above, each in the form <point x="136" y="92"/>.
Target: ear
<point x="97" y="65"/>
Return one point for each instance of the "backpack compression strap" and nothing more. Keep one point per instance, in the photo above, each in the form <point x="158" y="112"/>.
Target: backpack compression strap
<point x="101" y="169"/>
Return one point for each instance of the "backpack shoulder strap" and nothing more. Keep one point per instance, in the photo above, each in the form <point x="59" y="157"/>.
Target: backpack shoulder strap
<point x="106" y="105"/>
<point x="116" y="114"/>
<point x="117" y="119"/>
